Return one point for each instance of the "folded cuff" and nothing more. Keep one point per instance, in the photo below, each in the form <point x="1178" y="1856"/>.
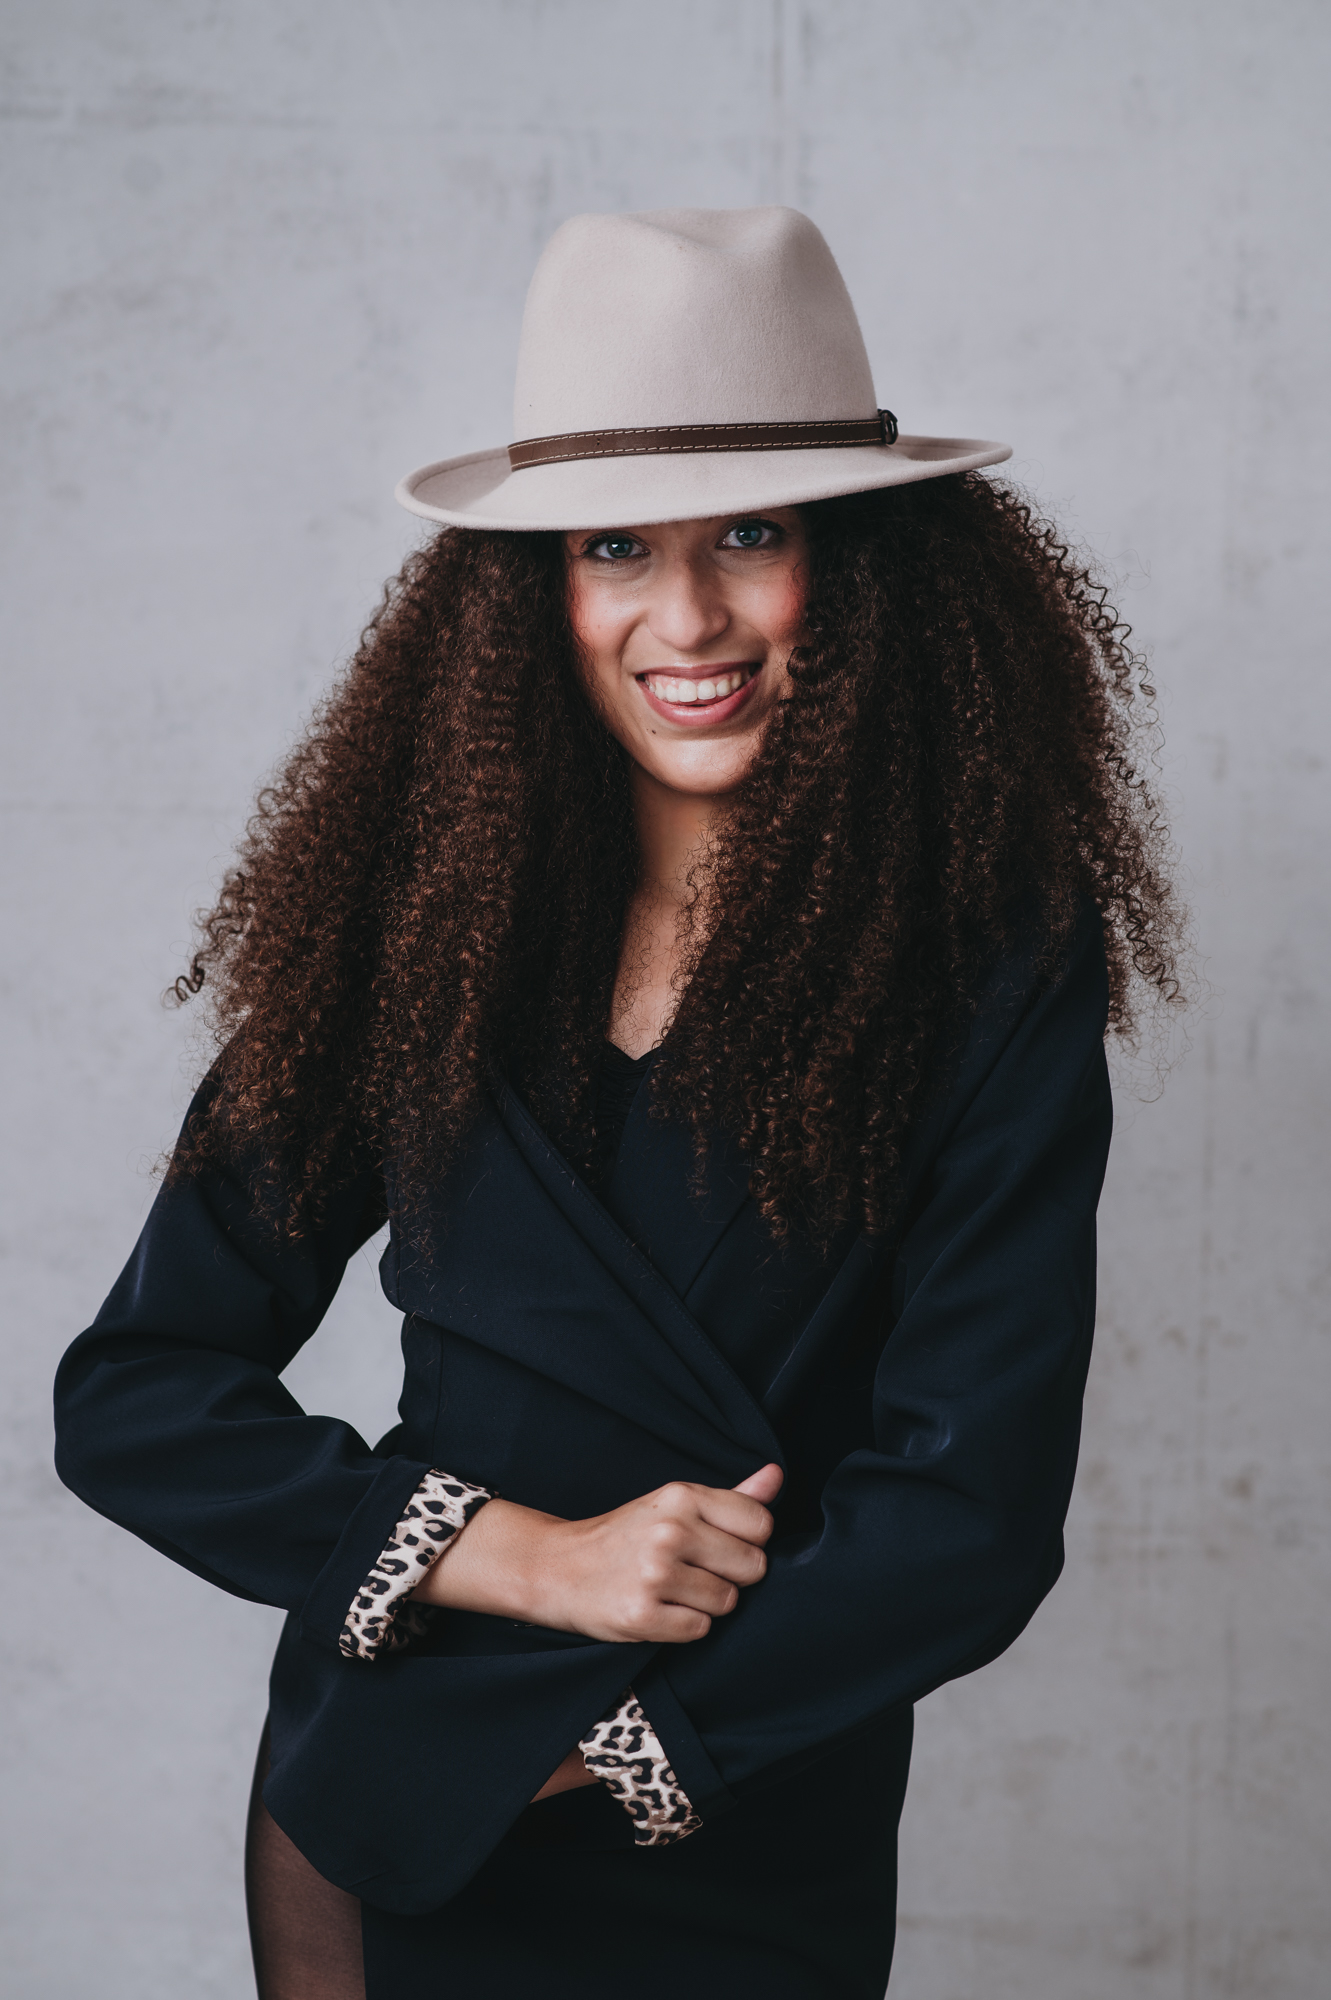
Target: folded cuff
<point x="382" y="1617"/>
<point x="625" y="1753"/>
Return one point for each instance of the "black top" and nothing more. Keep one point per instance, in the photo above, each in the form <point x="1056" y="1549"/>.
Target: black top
<point x="617" y="1082"/>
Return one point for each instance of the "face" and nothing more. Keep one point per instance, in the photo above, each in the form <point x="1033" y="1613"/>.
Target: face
<point x="687" y="629"/>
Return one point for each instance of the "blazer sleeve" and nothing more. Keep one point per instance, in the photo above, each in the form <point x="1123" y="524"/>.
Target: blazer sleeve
<point x="942" y="1532"/>
<point x="171" y="1418"/>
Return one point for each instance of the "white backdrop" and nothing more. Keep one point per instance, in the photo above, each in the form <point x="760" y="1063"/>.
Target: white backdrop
<point x="263" y="257"/>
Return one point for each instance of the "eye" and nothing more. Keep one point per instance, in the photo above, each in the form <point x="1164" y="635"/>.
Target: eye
<point x="750" y="535"/>
<point x="613" y="548"/>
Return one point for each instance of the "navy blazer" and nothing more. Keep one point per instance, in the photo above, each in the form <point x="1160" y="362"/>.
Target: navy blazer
<point x="923" y="1394"/>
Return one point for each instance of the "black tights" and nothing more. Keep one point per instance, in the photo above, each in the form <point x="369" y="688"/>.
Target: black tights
<point x="304" y="1932"/>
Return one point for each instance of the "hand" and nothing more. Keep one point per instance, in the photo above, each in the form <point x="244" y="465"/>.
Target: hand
<point x="658" y="1569"/>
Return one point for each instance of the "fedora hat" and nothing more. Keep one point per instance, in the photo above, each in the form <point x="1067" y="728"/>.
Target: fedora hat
<point x="681" y="364"/>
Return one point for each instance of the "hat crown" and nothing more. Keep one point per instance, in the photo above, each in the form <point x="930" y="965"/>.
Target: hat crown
<point x="688" y="316"/>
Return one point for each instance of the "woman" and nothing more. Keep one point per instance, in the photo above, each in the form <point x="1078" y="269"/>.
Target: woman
<point x="693" y="925"/>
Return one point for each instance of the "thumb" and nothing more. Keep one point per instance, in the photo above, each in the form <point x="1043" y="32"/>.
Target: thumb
<point x="763" y="1485"/>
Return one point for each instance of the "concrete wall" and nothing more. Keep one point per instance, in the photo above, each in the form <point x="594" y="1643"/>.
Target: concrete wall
<point x="264" y="257"/>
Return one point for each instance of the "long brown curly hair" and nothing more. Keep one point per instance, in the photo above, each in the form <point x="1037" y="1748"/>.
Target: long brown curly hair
<point x="436" y="883"/>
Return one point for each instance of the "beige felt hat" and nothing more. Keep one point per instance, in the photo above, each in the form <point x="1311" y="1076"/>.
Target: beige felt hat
<point x="690" y="362"/>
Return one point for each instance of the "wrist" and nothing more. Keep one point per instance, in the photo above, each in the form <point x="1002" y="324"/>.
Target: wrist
<point x="535" y="1568"/>
<point x="499" y="1564"/>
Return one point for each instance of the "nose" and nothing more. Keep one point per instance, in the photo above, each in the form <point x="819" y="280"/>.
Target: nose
<point x="687" y="608"/>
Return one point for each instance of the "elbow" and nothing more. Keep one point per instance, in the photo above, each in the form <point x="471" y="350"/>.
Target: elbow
<point x="75" y="1461"/>
<point x="1022" y="1568"/>
<point x="84" y="1426"/>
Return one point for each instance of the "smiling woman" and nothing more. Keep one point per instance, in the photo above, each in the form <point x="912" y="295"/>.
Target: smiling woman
<point x="692" y="922"/>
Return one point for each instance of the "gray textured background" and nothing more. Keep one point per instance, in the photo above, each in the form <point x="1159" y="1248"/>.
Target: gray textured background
<point x="261" y="258"/>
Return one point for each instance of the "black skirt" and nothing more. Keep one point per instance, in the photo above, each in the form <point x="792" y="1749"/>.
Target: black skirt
<point x="792" y="1893"/>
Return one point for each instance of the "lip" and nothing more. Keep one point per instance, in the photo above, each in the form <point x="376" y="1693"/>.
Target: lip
<point x="692" y="715"/>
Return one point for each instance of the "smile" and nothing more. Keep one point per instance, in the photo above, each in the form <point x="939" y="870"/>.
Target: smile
<point x="700" y="694"/>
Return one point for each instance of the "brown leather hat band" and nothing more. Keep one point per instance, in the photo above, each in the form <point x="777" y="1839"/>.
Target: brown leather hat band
<point x="816" y="435"/>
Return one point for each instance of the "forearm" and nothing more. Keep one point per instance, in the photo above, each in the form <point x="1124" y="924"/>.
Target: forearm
<point x="501" y="1565"/>
<point x="568" y="1776"/>
<point x="659" y="1568"/>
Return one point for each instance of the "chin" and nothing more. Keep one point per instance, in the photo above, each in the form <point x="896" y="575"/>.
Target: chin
<point x="704" y="779"/>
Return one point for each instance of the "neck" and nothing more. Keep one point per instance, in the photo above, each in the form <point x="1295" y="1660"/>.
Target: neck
<point x="673" y="829"/>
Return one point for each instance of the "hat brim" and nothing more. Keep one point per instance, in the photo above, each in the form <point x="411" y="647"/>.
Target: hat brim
<point x="481" y="491"/>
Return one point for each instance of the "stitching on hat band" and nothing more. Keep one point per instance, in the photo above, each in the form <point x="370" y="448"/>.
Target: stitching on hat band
<point x="817" y="433"/>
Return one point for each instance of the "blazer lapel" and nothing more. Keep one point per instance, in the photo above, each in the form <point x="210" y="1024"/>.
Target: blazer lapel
<point x="963" y="1070"/>
<point x="525" y="1259"/>
<point x="652" y="1192"/>
<point x="837" y="1311"/>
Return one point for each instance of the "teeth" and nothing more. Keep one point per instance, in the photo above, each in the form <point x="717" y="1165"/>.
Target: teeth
<point x="682" y="692"/>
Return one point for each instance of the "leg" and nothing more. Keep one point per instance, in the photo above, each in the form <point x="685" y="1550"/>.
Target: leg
<point x="304" y="1932"/>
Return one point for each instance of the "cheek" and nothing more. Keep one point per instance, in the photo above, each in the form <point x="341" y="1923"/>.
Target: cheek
<point x="600" y="633"/>
<point x="582" y="617"/>
<point x="783" y="607"/>
<point x="594" y="632"/>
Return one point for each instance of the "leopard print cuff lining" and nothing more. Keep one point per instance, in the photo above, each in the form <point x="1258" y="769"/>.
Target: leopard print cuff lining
<point x="627" y="1755"/>
<point x="383" y="1617"/>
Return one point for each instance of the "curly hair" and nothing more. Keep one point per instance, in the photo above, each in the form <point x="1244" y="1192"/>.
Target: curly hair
<point x="436" y="884"/>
